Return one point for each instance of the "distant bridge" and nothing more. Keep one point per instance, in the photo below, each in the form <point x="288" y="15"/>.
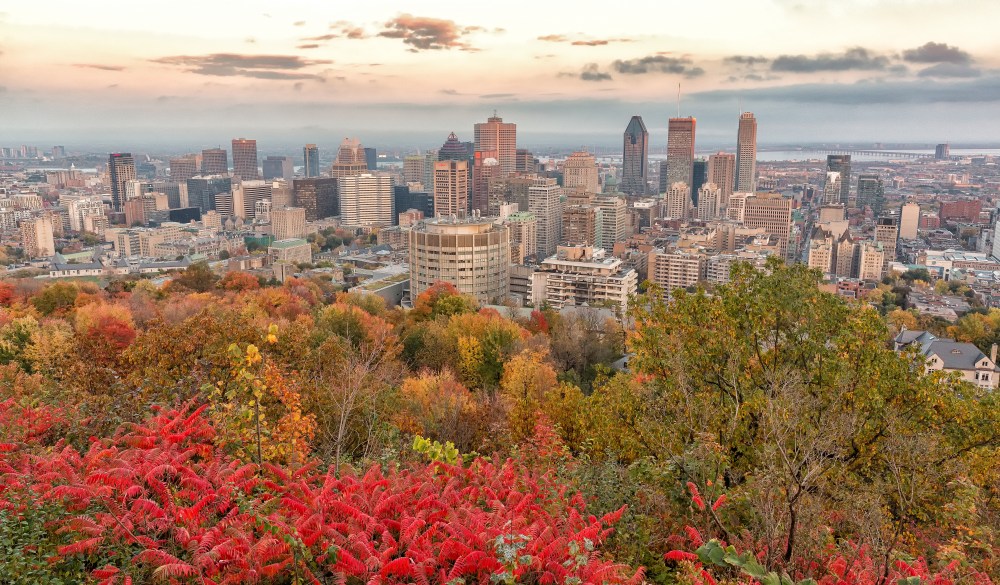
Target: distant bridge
<point x="874" y="153"/>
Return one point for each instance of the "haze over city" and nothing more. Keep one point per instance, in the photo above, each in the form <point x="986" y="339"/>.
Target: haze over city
<point x="199" y="73"/>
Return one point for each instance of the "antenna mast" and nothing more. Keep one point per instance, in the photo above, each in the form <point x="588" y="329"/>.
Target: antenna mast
<point x="678" y="100"/>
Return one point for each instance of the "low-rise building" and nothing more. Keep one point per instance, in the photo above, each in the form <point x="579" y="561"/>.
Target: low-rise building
<point x="949" y="355"/>
<point x="579" y="275"/>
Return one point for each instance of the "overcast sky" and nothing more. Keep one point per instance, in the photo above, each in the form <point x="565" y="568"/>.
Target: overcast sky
<point x="293" y="70"/>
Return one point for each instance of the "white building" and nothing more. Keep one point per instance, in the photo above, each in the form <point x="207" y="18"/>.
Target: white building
<point x="579" y="275"/>
<point x="366" y="200"/>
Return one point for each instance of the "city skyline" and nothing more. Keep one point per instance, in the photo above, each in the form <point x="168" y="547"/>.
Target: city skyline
<point x="303" y="73"/>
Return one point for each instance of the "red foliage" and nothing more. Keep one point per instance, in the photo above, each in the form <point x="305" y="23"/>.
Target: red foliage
<point x="6" y="294"/>
<point x="537" y="323"/>
<point x="239" y="281"/>
<point x="187" y="511"/>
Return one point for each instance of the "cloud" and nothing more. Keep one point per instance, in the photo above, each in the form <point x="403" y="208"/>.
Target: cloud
<point x="449" y="92"/>
<point x="925" y="91"/>
<point x="496" y="95"/>
<point x="308" y="46"/>
<point x="591" y="73"/>
<point x="937" y="53"/>
<point x="855" y="59"/>
<point x="582" y="42"/>
<point x="424" y="33"/>
<point x="326" y="37"/>
<point x="299" y="23"/>
<point x="657" y="64"/>
<point x="99" y="66"/>
<point x="237" y="65"/>
<point x="950" y="70"/>
<point x="749" y="60"/>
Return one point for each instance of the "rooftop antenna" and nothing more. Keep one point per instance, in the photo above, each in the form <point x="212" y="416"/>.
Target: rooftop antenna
<point x="741" y="106"/>
<point x="678" y="100"/>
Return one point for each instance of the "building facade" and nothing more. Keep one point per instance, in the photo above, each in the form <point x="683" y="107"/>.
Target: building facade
<point x="472" y="254"/>
<point x="746" y="154"/>
<point x="635" y="158"/>
<point x="245" y="159"/>
<point x="366" y="200"/>
<point x="499" y="136"/>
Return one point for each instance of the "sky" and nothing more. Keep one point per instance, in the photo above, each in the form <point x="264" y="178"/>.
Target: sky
<point x="566" y="72"/>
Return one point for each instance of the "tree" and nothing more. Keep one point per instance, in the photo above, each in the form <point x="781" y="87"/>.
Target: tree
<point x="441" y="299"/>
<point x="59" y="296"/>
<point x="197" y="277"/>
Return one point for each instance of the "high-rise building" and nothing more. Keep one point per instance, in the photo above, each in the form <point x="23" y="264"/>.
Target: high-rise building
<point x="871" y="261"/>
<point x="451" y="187"/>
<point x="746" y="154"/>
<point x="581" y="225"/>
<point x="544" y="200"/>
<point x="485" y="167"/>
<point x="404" y="198"/>
<point x="841" y="163"/>
<point x="121" y="171"/>
<point x="413" y="169"/>
<point x="772" y="212"/>
<point x="523" y="236"/>
<point x="371" y="158"/>
<point x="251" y="193"/>
<point x="722" y="172"/>
<point x="472" y="254"/>
<point x="203" y="191"/>
<point x="833" y="189"/>
<point x="278" y="167"/>
<point x="680" y="151"/>
<point x="678" y="201"/>
<point x="318" y="196"/>
<point x="310" y="161"/>
<point x="245" y="159"/>
<point x="366" y="200"/>
<point x="580" y="172"/>
<point x="663" y="175"/>
<point x="886" y="234"/>
<point x="871" y="192"/>
<point x="495" y="134"/>
<point x="288" y="223"/>
<point x="699" y="174"/>
<point x="183" y="168"/>
<point x="350" y="159"/>
<point x="525" y="161"/>
<point x="942" y="152"/>
<point x="635" y="158"/>
<point x="453" y="149"/>
<point x="214" y="161"/>
<point x="909" y="220"/>
<point x="614" y="210"/>
<point x="709" y="202"/>
<point x="36" y="237"/>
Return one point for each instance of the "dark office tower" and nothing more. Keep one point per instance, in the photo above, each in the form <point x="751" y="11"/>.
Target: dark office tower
<point x="942" y="152"/>
<point x="841" y="163"/>
<point x="680" y="151"/>
<point x="121" y="170"/>
<point x="202" y="191"/>
<point x="317" y="196"/>
<point x="746" y="154"/>
<point x="699" y="175"/>
<point x="371" y="158"/>
<point x="310" y="161"/>
<point x="663" y="178"/>
<point x="405" y="199"/>
<point x="635" y="158"/>
<point x="524" y="161"/>
<point x="172" y="190"/>
<point x="453" y="149"/>
<point x="245" y="159"/>
<point x="183" y="168"/>
<point x="278" y="167"/>
<point x="214" y="161"/>
<point x="871" y="192"/>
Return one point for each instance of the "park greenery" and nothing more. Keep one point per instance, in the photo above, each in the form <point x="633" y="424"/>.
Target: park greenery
<point x="229" y="430"/>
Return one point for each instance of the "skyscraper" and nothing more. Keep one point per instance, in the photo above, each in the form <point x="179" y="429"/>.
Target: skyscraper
<point x="722" y="172"/>
<point x="841" y="163"/>
<point x="495" y="134"/>
<point x="310" y="161"/>
<point x="245" y="159"/>
<point x="746" y="154"/>
<point x="472" y="254"/>
<point x="183" y="168"/>
<point x="203" y="191"/>
<point x="909" y="220"/>
<point x="214" y="161"/>
<point x="544" y="200"/>
<point x="121" y="170"/>
<point x="485" y="167"/>
<point x="371" y="158"/>
<point x="699" y="176"/>
<point x="680" y="151"/>
<point x="942" y="152"/>
<point x="350" y="159"/>
<point x="278" y="167"/>
<point x="635" y="158"/>
<point x="580" y="172"/>
<point x="318" y="196"/>
<point x="366" y="200"/>
<point x="453" y="149"/>
<point x="871" y="192"/>
<point x="451" y="187"/>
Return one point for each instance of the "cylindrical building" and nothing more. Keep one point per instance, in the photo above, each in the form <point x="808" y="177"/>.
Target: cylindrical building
<point x="472" y="254"/>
